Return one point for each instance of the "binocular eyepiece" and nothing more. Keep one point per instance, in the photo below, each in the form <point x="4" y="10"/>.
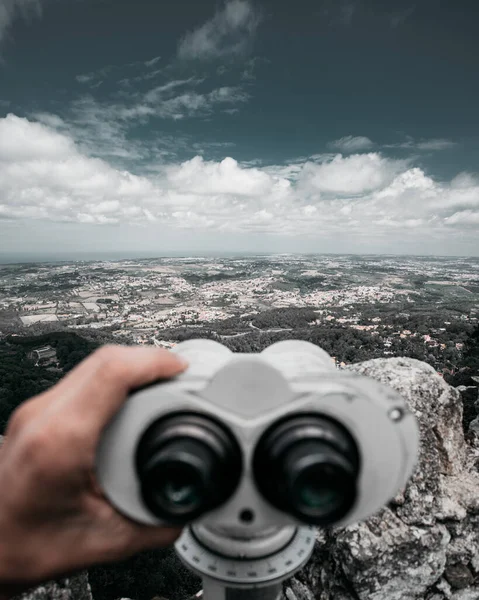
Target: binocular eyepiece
<point x="187" y="464"/>
<point x="306" y="465"/>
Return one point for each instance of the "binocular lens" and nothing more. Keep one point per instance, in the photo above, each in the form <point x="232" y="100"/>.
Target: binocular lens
<point x="181" y="486"/>
<point x="317" y="493"/>
<point x="187" y="464"/>
<point x="308" y="466"/>
<point x="319" y="496"/>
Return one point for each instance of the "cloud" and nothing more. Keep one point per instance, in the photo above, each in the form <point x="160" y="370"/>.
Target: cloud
<point x="103" y="128"/>
<point x="192" y="104"/>
<point x="163" y="102"/>
<point x="85" y="78"/>
<point x="156" y="93"/>
<point x="426" y="145"/>
<point x="466" y="218"/>
<point x="224" y="178"/>
<point x="351" y="143"/>
<point x="351" y="176"/>
<point x="152" y="62"/>
<point x="97" y="76"/>
<point x="45" y="175"/>
<point x="95" y="130"/>
<point x="229" y="32"/>
<point x="10" y="9"/>
<point x="433" y="144"/>
<point x="250" y="68"/>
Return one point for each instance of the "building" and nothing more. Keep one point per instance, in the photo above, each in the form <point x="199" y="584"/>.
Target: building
<point x="43" y="356"/>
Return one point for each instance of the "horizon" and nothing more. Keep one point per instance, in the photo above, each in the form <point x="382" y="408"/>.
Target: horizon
<point x="118" y="257"/>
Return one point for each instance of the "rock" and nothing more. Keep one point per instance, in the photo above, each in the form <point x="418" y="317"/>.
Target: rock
<point x="470" y="594"/>
<point x="459" y="576"/>
<point x="72" y="588"/>
<point x="424" y="545"/>
<point x="474" y="426"/>
<point x="297" y="591"/>
<point x="469" y="396"/>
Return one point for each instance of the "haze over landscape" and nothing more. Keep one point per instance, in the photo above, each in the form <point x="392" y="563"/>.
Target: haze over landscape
<point x="151" y="128"/>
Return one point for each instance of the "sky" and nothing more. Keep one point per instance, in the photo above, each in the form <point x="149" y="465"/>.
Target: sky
<point x="329" y="126"/>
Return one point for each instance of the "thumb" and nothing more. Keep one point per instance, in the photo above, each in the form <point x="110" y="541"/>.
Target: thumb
<point x="148" y="537"/>
<point x="96" y="389"/>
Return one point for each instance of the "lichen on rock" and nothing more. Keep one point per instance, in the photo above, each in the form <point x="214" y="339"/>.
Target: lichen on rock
<point x="71" y="588"/>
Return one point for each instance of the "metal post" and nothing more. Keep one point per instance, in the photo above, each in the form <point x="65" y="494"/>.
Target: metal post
<point x="214" y="590"/>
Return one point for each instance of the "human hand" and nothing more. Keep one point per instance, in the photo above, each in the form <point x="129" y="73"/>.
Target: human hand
<point x="54" y="518"/>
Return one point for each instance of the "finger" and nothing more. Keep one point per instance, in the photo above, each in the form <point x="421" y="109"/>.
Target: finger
<point x="27" y="410"/>
<point x="149" y="538"/>
<point x="95" y="390"/>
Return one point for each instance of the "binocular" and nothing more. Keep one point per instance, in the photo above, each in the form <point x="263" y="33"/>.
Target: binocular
<point x="242" y="443"/>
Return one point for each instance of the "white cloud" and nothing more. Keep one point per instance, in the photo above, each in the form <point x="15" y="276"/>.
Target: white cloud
<point x="249" y="72"/>
<point x="164" y="101"/>
<point x="353" y="175"/>
<point x="85" y="78"/>
<point x="351" y="143"/>
<point x="23" y="141"/>
<point x="466" y="218"/>
<point x="159" y="102"/>
<point x="438" y="144"/>
<point x="96" y="77"/>
<point x="197" y="176"/>
<point x="102" y="128"/>
<point x="45" y="175"/>
<point x="433" y="144"/>
<point x="156" y="93"/>
<point x="152" y="62"/>
<point x="229" y="32"/>
<point x="10" y="9"/>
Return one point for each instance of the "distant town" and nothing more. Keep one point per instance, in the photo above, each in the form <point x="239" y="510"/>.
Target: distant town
<point x="146" y="301"/>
